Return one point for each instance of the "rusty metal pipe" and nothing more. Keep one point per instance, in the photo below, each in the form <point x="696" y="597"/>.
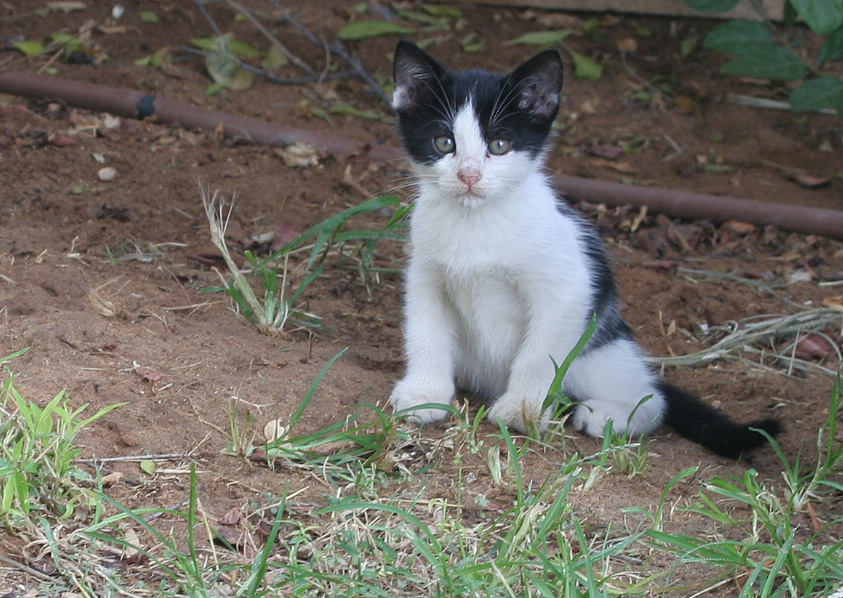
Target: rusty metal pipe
<point x="681" y="204"/>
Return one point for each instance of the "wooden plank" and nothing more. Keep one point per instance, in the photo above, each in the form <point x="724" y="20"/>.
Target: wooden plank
<point x="745" y="10"/>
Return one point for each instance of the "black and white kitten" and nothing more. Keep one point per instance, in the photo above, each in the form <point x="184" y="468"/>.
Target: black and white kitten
<point x="504" y="277"/>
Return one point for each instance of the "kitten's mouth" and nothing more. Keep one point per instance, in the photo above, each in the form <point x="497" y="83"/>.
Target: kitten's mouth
<point x="470" y="199"/>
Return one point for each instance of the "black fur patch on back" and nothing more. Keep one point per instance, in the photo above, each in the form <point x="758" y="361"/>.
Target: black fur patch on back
<point x="604" y="295"/>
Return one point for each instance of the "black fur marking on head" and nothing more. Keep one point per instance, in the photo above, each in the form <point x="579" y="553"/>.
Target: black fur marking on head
<point x="519" y="107"/>
<point x="415" y="74"/>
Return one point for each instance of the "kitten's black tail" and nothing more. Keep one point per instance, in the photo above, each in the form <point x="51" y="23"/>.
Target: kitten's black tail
<point x="699" y="422"/>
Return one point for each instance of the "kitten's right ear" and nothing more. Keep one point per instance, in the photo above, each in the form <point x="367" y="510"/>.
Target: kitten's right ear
<point x="416" y="76"/>
<point x="537" y="84"/>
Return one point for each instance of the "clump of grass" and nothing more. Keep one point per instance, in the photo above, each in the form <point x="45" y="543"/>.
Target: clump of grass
<point x="271" y="312"/>
<point x="350" y="448"/>
<point x="39" y="476"/>
<point x="775" y="554"/>
<point x="826" y="477"/>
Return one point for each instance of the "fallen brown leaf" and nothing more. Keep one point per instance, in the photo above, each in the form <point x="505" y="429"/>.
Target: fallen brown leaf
<point x="808" y="181"/>
<point x="813" y="346"/>
<point x="149" y="375"/>
<point x="739" y="227"/>
<point x="834" y="302"/>
<point x="112" y="478"/>
<point x="610" y="152"/>
<point x="59" y="140"/>
<point x="232" y="517"/>
<point x="624" y="167"/>
<point x="627" y="44"/>
<point x="331" y="448"/>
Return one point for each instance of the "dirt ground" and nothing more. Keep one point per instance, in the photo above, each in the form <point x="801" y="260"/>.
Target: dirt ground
<point x="102" y="280"/>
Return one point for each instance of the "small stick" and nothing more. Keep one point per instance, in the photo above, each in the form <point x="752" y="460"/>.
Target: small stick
<point x="337" y="49"/>
<point x="364" y="74"/>
<point x="160" y="513"/>
<point x="25" y="568"/>
<point x="200" y="4"/>
<point x="754" y="102"/>
<point x="293" y="58"/>
<point x="151" y="457"/>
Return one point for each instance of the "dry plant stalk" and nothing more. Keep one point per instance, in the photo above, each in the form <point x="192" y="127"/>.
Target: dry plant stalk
<point x="765" y="329"/>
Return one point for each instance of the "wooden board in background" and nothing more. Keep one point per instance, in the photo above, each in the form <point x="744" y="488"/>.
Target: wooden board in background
<point x="774" y="8"/>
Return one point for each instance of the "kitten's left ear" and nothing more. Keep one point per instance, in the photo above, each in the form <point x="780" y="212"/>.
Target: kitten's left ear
<point x="537" y="84"/>
<point x="415" y="73"/>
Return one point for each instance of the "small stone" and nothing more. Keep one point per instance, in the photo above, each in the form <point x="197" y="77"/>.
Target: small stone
<point x="107" y="174"/>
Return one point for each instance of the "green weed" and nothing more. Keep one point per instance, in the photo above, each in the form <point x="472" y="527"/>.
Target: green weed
<point x="759" y="49"/>
<point x="38" y="468"/>
<point x="776" y="555"/>
<point x="277" y="306"/>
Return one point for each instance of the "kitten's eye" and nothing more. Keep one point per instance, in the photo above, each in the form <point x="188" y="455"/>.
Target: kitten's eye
<point x="444" y="144"/>
<point x="499" y="147"/>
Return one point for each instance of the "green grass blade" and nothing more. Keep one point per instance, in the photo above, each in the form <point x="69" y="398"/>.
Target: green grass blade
<point x="312" y="390"/>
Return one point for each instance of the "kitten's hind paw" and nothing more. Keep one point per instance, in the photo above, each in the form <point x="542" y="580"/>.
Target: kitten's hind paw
<point x="406" y="395"/>
<point x="591" y="417"/>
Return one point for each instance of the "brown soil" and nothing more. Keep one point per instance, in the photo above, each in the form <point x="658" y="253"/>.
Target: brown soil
<point x="135" y="327"/>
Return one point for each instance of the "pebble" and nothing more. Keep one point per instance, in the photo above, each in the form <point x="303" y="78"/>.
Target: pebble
<point x="107" y="174"/>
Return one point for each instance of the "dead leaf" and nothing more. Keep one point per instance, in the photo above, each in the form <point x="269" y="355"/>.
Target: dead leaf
<point x="132" y="541"/>
<point x="800" y="275"/>
<point x="814" y="347"/>
<point x="232" y="517"/>
<point x="299" y="155"/>
<point x="627" y="44"/>
<point x="834" y="302"/>
<point x="610" y="152"/>
<point x="808" y="181"/>
<point x="59" y="140"/>
<point x="332" y="448"/>
<point x="686" y="105"/>
<point x="624" y="167"/>
<point x="741" y="228"/>
<point x="284" y="234"/>
<point x="149" y="375"/>
<point x="113" y="478"/>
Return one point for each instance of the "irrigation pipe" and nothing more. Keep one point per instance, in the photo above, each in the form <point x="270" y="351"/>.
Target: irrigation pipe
<point x="681" y="204"/>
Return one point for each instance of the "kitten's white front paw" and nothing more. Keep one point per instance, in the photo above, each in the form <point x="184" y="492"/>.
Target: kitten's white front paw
<point x="408" y="394"/>
<point x="591" y="417"/>
<point x="518" y="413"/>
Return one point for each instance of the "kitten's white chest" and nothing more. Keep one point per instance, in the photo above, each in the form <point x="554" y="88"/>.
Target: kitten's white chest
<point x="490" y="307"/>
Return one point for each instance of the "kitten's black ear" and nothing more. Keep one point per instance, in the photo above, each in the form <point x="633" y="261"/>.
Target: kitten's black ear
<point x="537" y="84"/>
<point x="416" y="75"/>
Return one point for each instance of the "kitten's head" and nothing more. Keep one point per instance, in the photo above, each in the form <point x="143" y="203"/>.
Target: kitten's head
<point x="474" y="135"/>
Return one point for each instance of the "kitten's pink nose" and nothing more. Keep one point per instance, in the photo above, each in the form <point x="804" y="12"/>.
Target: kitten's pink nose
<point x="469" y="177"/>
